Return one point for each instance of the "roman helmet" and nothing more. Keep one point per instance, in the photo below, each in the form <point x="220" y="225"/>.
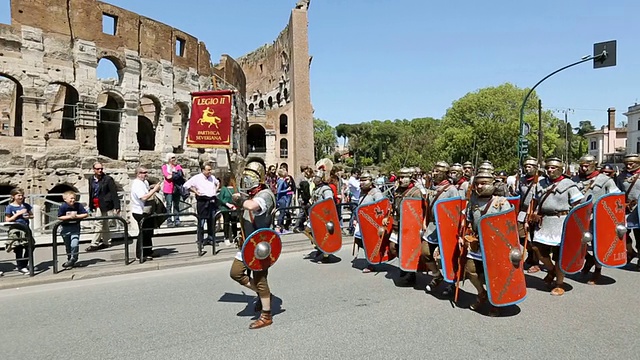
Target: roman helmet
<point x="632" y="162"/>
<point x="404" y="176"/>
<point x="366" y="181"/>
<point x="587" y="164"/>
<point x="502" y="176"/>
<point x="530" y="166"/>
<point x="417" y="172"/>
<point x="440" y="172"/>
<point x="554" y="167"/>
<point x="484" y="183"/>
<point x="467" y="169"/>
<point x="456" y="171"/>
<point x="486" y="166"/>
<point x="608" y="169"/>
<point x="323" y="171"/>
<point x="253" y="174"/>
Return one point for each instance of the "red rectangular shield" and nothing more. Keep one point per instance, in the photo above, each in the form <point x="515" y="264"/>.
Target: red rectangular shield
<point x="498" y="236"/>
<point x="210" y="120"/>
<point x="515" y="202"/>
<point x="447" y="216"/>
<point x="375" y="237"/>
<point x="409" y="242"/>
<point x="325" y="226"/>
<point x="609" y="248"/>
<point x="572" y="247"/>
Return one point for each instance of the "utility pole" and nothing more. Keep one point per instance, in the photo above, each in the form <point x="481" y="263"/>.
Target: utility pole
<point x="540" y="132"/>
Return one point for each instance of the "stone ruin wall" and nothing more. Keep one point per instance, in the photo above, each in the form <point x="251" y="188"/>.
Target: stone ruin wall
<point x="51" y="51"/>
<point x="277" y="78"/>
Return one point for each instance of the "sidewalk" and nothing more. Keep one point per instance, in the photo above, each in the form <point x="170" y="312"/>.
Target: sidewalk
<point x="173" y="251"/>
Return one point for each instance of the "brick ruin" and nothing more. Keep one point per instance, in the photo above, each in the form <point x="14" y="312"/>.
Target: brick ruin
<point x="279" y="110"/>
<point x="57" y="117"/>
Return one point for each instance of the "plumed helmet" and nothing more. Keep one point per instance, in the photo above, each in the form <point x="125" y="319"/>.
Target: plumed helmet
<point x="323" y="169"/>
<point x="253" y="174"/>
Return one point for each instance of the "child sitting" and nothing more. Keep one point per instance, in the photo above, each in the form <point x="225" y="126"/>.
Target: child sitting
<point x="70" y="212"/>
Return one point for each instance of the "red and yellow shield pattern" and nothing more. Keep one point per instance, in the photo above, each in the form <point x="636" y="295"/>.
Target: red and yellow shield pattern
<point x="447" y="217"/>
<point x="375" y="237"/>
<point x="572" y="247"/>
<point x="515" y="202"/>
<point x="325" y="226"/>
<point x="409" y="242"/>
<point x="608" y="213"/>
<point x="498" y="236"/>
<point x="249" y="249"/>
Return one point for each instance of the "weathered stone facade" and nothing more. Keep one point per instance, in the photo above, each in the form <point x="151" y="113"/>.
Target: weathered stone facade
<point x="279" y="107"/>
<point x="57" y="117"/>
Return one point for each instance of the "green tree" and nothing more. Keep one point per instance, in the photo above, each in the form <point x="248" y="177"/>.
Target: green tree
<point x="485" y="124"/>
<point x="324" y="139"/>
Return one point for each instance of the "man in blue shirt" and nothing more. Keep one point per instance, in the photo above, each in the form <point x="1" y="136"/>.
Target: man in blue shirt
<point x="70" y="212"/>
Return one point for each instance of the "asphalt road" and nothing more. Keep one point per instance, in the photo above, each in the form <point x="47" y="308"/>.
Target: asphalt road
<point x="322" y="311"/>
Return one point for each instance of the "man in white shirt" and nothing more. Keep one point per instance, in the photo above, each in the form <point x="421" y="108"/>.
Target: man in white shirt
<point x="354" y="190"/>
<point x="205" y="187"/>
<point x="140" y="193"/>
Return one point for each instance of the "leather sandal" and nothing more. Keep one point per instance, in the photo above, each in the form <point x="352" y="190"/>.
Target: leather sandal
<point x="558" y="290"/>
<point x="595" y="277"/>
<point x="263" y="320"/>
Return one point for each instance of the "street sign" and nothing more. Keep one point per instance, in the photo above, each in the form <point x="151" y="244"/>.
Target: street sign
<point x="609" y="57"/>
<point x="526" y="129"/>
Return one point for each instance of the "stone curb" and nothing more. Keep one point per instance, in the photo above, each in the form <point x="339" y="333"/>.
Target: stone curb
<point x="132" y="268"/>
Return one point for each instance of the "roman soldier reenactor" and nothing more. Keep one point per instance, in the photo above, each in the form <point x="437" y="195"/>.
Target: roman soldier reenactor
<point x="369" y="194"/>
<point x="482" y="202"/>
<point x="458" y="178"/>
<point x="258" y="204"/>
<point x="555" y="196"/>
<point x="526" y="191"/>
<point x="405" y="189"/>
<point x="442" y="189"/>
<point x="322" y="191"/>
<point x="592" y="182"/>
<point x="628" y="182"/>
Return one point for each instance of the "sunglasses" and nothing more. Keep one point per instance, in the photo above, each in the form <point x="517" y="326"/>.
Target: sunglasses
<point x="97" y="168"/>
<point x="143" y="172"/>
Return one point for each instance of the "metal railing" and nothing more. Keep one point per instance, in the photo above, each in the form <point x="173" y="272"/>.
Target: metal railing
<point x="54" y="244"/>
<point x="144" y="226"/>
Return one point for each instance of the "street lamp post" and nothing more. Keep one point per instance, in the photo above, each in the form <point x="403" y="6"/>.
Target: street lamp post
<point x="604" y="56"/>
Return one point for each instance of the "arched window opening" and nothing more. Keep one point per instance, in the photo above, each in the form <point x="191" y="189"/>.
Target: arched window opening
<point x="284" y="148"/>
<point x="182" y="118"/>
<point x="10" y="106"/>
<point x="278" y="98"/>
<point x="286" y="94"/>
<point x="261" y="104"/>
<point x="108" y="71"/>
<point x="108" y="130"/>
<point x="270" y="101"/>
<point x="284" y="124"/>
<point x="62" y="101"/>
<point x="256" y="139"/>
<point x="146" y="134"/>
<point x="148" y="119"/>
<point x="251" y="107"/>
<point x="5" y="196"/>
<point x="284" y="61"/>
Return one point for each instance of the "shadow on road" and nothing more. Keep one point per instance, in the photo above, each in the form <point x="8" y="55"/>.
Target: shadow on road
<point x="603" y="280"/>
<point x="534" y="282"/>
<point x="276" y="304"/>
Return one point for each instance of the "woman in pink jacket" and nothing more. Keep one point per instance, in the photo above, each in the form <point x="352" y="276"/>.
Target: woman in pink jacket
<point x="174" y="178"/>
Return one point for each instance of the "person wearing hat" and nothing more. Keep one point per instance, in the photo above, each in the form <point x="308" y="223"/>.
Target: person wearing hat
<point x="468" y="170"/>
<point x="443" y="189"/>
<point x="628" y="182"/>
<point x="404" y="189"/>
<point x="527" y="190"/>
<point x="483" y="203"/>
<point x="369" y="194"/>
<point x="555" y="196"/>
<point x="321" y="192"/>
<point x="257" y="202"/>
<point x="458" y="179"/>
<point x="501" y="187"/>
<point x="609" y="171"/>
<point x="592" y="182"/>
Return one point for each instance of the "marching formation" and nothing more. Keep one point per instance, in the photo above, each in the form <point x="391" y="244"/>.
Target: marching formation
<point x="457" y="224"/>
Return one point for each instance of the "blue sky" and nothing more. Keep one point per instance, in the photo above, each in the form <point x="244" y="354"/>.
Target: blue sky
<point x="380" y="59"/>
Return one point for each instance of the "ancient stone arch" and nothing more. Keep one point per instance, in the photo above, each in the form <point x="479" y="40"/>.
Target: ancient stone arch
<point x="256" y="138"/>
<point x="149" y="110"/>
<point x="115" y="60"/>
<point x="111" y="106"/>
<point x="61" y="99"/>
<point x="284" y="124"/>
<point x="284" y="148"/>
<point x="11" y="116"/>
<point x="181" y="127"/>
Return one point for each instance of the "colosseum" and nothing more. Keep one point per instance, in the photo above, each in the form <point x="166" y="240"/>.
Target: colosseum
<point x="57" y="117"/>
